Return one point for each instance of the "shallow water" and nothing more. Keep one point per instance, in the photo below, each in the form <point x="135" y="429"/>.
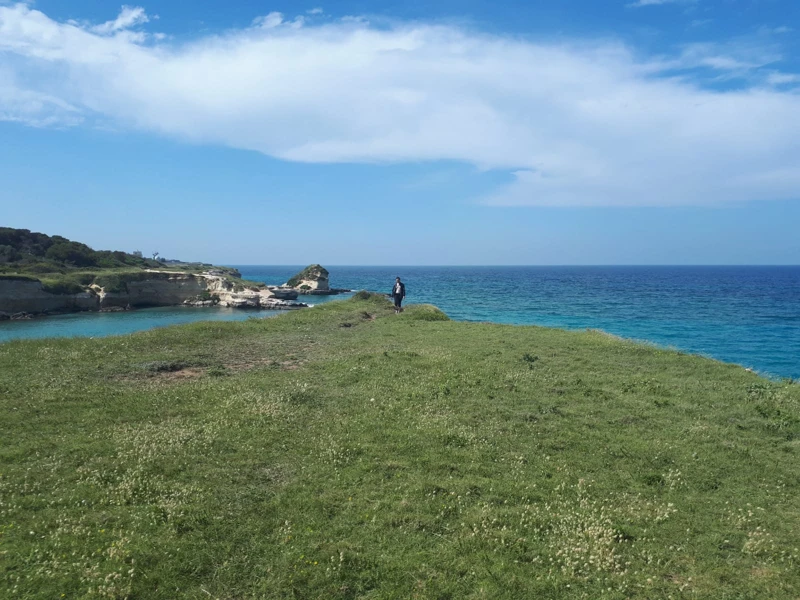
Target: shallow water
<point x="92" y="324"/>
<point x="745" y="315"/>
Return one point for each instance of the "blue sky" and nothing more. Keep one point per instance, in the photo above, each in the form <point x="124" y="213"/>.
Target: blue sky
<point x="572" y="132"/>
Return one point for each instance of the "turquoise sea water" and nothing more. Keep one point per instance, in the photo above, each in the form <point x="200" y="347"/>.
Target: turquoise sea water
<point x="745" y="315"/>
<point x="90" y="324"/>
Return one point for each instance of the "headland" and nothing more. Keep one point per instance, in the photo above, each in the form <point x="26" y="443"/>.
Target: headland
<point x="347" y="452"/>
<point x="41" y="275"/>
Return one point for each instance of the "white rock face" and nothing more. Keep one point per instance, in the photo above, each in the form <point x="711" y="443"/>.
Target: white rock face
<point x="155" y="292"/>
<point x="176" y="288"/>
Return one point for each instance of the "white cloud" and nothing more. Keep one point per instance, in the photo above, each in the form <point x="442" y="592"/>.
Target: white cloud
<point x="269" y="21"/>
<point x="128" y="17"/>
<point x="764" y="30"/>
<point x="578" y="124"/>
<point x="315" y="11"/>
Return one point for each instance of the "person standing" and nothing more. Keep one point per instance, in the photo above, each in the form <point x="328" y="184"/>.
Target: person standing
<point x="398" y="293"/>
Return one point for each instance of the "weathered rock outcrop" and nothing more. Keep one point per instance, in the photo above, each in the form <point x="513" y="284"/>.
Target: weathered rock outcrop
<point x="21" y="295"/>
<point x="313" y="280"/>
<point x="156" y="291"/>
<point x="313" y="277"/>
<point x="283" y="293"/>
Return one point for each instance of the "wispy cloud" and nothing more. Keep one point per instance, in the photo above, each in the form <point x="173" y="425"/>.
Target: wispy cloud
<point x="582" y="123"/>
<point x="783" y="78"/>
<point x="128" y="17"/>
<point x="700" y="22"/>
<point x="643" y="3"/>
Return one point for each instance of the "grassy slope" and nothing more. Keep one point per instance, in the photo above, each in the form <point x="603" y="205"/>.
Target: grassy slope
<point x="398" y="457"/>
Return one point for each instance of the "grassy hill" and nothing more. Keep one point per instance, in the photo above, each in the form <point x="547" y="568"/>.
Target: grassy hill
<point x="24" y="251"/>
<point x="68" y="267"/>
<point x="345" y="452"/>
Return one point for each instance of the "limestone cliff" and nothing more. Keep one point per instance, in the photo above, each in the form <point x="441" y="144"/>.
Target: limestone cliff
<point x="27" y="295"/>
<point x="158" y="289"/>
<point x="139" y="289"/>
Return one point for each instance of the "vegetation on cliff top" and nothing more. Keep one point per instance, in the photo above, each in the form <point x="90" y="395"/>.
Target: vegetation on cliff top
<point x="67" y="267"/>
<point x="24" y="251"/>
<point x="347" y="452"/>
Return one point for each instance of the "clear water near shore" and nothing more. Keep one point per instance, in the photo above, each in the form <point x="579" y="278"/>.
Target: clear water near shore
<point x="93" y="324"/>
<point x="744" y="315"/>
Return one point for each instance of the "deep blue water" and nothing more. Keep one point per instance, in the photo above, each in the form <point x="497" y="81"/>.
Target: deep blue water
<point x="745" y="315"/>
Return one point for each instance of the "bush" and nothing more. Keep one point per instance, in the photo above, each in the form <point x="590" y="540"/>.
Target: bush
<point x="364" y="295"/>
<point x="117" y="283"/>
<point x="425" y="312"/>
<point x="62" y="286"/>
<point x="42" y="267"/>
<point x="113" y="284"/>
<point x="79" y="255"/>
<point x="8" y="254"/>
<point x="18" y="278"/>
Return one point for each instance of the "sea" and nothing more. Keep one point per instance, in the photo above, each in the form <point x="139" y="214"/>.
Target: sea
<point x="749" y="315"/>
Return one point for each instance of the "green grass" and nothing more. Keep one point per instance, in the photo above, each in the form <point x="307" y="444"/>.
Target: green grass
<point x="347" y="452"/>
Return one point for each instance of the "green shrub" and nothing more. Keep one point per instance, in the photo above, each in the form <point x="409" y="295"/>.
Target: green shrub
<point x="117" y="283"/>
<point x="12" y="277"/>
<point x="8" y="254"/>
<point x="365" y="295"/>
<point x="425" y="312"/>
<point x="62" y="286"/>
<point x="41" y="267"/>
<point x="113" y="283"/>
<point x="74" y="253"/>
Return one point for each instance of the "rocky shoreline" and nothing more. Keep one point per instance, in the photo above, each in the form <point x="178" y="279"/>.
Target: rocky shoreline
<point x="25" y="298"/>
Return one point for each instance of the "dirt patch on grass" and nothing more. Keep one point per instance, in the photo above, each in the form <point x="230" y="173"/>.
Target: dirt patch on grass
<point x="182" y="374"/>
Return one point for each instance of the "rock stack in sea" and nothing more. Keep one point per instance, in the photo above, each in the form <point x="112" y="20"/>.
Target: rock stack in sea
<point x="313" y="280"/>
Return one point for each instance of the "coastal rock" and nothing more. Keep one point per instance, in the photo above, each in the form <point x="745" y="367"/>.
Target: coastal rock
<point x="283" y="293"/>
<point x="328" y="292"/>
<point x="4" y="316"/>
<point x="276" y="304"/>
<point x="199" y="303"/>
<point x="313" y="277"/>
<point x="157" y="289"/>
<point x="313" y="281"/>
<point x="21" y="296"/>
<point x="29" y="296"/>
